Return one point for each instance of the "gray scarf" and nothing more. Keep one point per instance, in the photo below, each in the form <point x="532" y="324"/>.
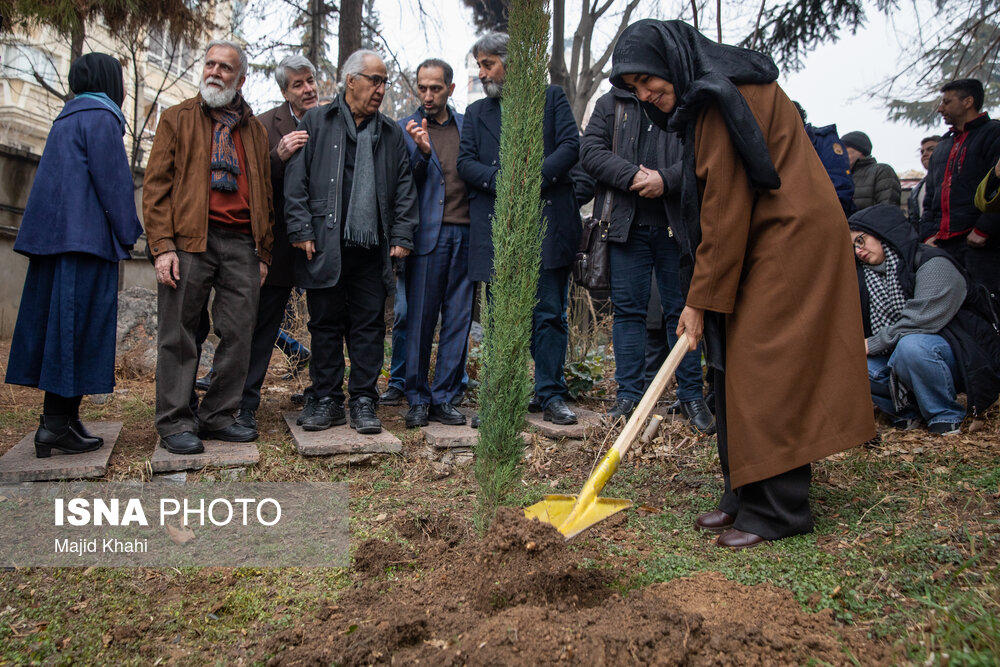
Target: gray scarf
<point x="361" y="225"/>
<point x="885" y="294"/>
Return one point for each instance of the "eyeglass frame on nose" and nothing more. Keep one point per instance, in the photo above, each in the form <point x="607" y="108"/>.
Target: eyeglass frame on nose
<point x="859" y="241"/>
<point x="376" y="80"/>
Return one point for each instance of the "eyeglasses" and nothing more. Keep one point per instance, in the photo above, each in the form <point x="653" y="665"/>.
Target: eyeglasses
<point x="377" y="81"/>
<point x="859" y="241"/>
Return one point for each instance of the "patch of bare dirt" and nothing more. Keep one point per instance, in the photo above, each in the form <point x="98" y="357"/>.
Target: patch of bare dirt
<point x="522" y="597"/>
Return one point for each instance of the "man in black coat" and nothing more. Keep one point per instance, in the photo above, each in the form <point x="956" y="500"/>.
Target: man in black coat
<point x="639" y="181"/>
<point x="295" y="76"/>
<point x="350" y="206"/>
<point x="479" y="165"/>
<point x="951" y="220"/>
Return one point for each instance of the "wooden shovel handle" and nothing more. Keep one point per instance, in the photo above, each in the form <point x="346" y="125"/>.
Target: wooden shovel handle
<point x="652" y="395"/>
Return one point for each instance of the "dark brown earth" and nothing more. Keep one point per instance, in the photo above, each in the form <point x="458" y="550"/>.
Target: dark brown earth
<point x="522" y="597"/>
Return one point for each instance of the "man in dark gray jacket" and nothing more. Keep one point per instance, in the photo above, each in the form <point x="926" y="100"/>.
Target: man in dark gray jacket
<point x="350" y="205"/>
<point x="874" y="182"/>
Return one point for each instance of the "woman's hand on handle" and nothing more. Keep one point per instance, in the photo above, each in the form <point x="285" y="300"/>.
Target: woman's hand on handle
<point x="691" y="322"/>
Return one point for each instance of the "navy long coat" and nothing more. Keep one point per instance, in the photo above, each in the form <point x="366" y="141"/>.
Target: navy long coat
<point x="79" y="221"/>
<point x="479" y="165"/>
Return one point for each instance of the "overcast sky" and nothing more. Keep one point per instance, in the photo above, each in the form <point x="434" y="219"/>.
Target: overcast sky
<point x="831" y="86"/>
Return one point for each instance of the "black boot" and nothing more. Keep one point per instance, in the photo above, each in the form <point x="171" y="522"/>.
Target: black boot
<point x="82" y="431"/>
<point x="56" y="432"/>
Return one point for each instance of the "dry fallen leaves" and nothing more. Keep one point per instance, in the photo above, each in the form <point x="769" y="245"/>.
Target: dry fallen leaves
<point x="181" y="535"/>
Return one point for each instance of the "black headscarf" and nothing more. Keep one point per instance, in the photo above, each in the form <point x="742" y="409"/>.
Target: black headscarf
<point x="702" y="72"/>
<point x="97" y="73"/>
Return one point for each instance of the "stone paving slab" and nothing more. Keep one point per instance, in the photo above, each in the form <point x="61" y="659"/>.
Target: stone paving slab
<point x="585" y="419"/>
<point x="217" y="453"/>
<point x="340" y="440"/>
<point x="20" y="464"/>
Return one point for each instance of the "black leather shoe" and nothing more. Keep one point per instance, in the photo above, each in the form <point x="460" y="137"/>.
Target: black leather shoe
<point x="392" y="396"/>
<point x="674" y="408"/>
<point x="698" y="414"/>
<point x="715" y="521"/>
<point x="231" y="433"/>
<point x="298" y="398"/>
<point x="738" y="539"/>
<point x="363" y="417"/>
<point x="308" y="409"/>
<point x="623" y="409"/>
<point x="182" y="443"/>
<point x="416" y="416"/>
<point x="247" y="418"/>
<point x="534" y="405"/>
<point x="559" y="413"/>
<point x="446" y="413"/>
<point x="56" y="432"/>
<point x="82" y="431"/>
<point x="475" y="421"/>
<point x="203" y="383"/>
<point x="326" y="413"/>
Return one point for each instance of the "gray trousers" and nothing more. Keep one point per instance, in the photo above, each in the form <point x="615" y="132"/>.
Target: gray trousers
<point x="230" y="266"/>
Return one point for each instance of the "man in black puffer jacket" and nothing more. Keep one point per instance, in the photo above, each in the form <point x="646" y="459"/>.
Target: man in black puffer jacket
<point x="874" y="182"/>
<point x="930" y="331"/>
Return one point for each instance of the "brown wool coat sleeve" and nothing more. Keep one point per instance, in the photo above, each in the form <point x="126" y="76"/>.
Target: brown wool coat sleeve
<point x="157" y="185"/>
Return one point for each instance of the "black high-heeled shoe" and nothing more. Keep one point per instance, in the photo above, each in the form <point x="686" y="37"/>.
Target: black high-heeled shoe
<point x="57" y="432"/>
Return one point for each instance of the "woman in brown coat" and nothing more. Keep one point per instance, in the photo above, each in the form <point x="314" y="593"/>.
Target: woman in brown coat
<point x="772" y="284"/>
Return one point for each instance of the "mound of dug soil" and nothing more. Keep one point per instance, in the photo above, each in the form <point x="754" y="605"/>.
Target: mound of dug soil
<point x="521" y="597"/>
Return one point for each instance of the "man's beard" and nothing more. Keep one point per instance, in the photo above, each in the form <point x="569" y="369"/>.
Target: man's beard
<point x="214" y="97"/>
<point x="492" y="88"/>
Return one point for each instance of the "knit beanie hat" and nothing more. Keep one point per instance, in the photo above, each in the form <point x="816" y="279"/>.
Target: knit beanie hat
<point x="859" y="141"/>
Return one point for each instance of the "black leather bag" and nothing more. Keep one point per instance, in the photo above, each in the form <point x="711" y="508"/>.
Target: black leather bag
<point x="591" y="267"/>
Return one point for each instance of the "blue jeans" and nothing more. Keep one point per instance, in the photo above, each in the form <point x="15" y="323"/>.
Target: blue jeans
<point x="550" y="334"/>
<point x="924" y="364"/>
<point x="397" y="364"/>
<point x="648" y="250"/>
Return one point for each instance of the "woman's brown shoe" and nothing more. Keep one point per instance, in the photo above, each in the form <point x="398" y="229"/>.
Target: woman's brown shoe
<point x="715" y="521"/>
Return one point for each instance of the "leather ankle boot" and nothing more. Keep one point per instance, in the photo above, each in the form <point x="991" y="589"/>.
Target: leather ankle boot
<point x="56" y="432"/>
<point x="82" y="431"/>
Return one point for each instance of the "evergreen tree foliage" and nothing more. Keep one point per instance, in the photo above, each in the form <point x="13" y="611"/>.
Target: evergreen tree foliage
<point x="517" y="241"/>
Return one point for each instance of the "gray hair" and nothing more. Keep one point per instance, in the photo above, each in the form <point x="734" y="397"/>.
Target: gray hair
<point x="295" y="63"/>
<point x="355" y="64"/>
<point x="244" y="65"/>
<point x="494" y="44"/>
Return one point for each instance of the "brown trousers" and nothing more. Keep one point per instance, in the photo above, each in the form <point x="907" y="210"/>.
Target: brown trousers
<point x="229" y="266"/>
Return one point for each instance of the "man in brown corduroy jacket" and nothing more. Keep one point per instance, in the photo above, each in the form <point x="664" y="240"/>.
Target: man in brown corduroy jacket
<point x="208" y="214"/>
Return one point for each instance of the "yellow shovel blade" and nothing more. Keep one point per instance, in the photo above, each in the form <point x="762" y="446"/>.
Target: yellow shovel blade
<point x="557" y="509"/>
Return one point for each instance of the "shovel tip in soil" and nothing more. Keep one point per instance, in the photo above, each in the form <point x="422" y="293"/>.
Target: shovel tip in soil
<point x="557" y="510"/>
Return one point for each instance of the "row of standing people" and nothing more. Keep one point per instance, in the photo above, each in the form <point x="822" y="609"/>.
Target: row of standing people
<point x="352" y="203"/>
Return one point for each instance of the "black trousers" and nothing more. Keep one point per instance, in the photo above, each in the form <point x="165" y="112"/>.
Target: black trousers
<point x="772" y="508"/>
<point x="352" y="311"/>
<point x="270" y="313"/>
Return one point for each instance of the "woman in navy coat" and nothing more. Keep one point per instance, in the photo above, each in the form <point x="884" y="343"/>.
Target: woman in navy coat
<point x="79" y="222"/>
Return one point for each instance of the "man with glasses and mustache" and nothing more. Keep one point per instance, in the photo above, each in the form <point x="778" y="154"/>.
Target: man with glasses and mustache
<point x="479" y="165"/>
<point x="208" y="214"/>
<point x="350" y="206"/>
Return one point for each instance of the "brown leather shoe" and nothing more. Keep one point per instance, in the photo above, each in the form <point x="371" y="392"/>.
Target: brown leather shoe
<point x="737" y="539"/>
<point x="715" y="521"/>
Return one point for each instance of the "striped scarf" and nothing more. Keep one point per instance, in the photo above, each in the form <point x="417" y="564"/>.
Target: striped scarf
<point x="885" y="294"/>
<point x="225" y="162"/>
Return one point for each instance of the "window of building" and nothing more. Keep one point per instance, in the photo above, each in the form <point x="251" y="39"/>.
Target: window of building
<point x="23" y="62"/>
<point x="174" y="58"/>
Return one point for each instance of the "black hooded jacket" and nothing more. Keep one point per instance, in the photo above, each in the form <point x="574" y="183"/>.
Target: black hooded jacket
<point x="972" y="332"/>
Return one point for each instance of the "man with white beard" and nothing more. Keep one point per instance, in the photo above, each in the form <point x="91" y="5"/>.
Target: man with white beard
<point x="207" y="206"/>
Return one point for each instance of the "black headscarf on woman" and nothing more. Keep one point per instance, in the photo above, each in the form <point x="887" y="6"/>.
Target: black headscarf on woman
<point x="702" y="73"/>
<point x="97" y="73"/>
